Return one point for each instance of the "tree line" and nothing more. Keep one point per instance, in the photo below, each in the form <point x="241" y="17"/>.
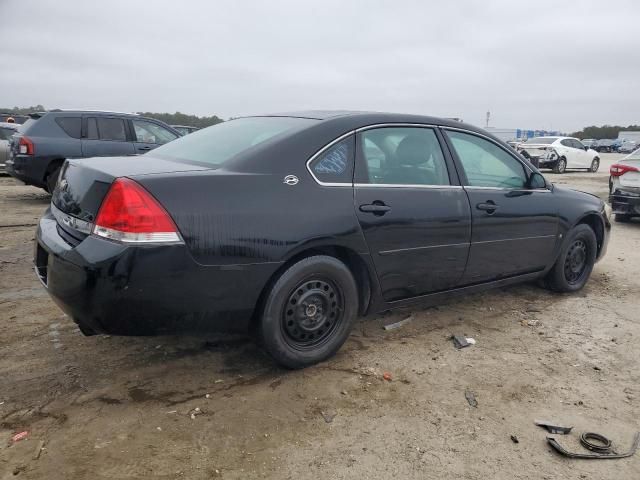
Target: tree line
<point x="177" y="118"/>
<point x="604" y="132"/>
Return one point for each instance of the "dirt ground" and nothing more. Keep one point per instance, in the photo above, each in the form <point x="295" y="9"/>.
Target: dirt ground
<point x="202" y="408"/>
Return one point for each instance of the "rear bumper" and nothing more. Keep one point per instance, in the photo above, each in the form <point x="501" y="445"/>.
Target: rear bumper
<point x="625" y="202"/>
<point x="112" y="288"/>
<point x="27" y="169"/>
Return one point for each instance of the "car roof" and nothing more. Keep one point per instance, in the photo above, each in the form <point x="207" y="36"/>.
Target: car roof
<point x="363" y="118"/>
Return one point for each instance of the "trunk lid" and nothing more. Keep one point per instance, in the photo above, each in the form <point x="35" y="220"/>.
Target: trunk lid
<point x="83" y="184"/>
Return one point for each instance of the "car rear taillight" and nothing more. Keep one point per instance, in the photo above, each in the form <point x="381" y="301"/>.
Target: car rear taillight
<point x="25" y="146"/>
<point x="130" y="214"/>
<point x="617" y="170"/>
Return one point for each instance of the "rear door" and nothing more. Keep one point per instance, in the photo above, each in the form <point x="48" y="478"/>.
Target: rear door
<point x="149" y="135"/>
<point x="584" y="157"/>
<point x="106" y="136"/>
<point x="412" y="210"/>
<point x="514" y="227"/>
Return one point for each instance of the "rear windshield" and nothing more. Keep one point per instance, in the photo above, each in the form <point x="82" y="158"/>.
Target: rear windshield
<point x="215" y="145"/>
<point x="546" y="140"/>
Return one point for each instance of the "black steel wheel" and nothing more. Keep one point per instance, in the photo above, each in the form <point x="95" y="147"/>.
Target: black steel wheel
<point x="575" y="262"/>
<point x="308" y="312"/>
<point x="313" y="311"/>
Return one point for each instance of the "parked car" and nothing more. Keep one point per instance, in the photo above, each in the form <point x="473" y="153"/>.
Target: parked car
<point x="627" y="147"/>
<point x="184" y="129"/>
<point x="43" y="142"/>
<point x="6" y="130"/>
<point x="603" y="146"/>
<point x="559" y="154"/>
<point x="292" y="226"/>
<point x="624" y="187"/>
<point x="589" y="142"/>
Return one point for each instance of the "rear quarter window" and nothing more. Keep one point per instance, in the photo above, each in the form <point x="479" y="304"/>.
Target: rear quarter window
<point x="72" y="126"/>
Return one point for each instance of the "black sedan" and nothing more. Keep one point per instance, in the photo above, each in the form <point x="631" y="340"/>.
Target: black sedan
<point x="290" y="226"/>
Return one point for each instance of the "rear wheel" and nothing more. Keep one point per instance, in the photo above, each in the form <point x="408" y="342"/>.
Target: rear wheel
<point x="309" y="312"/>
<point x="560" y="166"/>
<point x="575" y="263"/>
<point x="52" y="179"/>
<point x="595" y="165"/>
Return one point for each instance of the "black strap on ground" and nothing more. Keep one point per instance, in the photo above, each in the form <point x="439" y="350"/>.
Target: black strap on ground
<point x="595" y="456"/>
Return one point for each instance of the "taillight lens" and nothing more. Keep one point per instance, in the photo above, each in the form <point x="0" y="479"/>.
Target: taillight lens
<point x="130" y="214"/>
<point x="25" y="146"/>
<point x="617" y="170"/>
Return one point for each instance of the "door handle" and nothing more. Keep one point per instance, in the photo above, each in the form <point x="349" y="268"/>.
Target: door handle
<point x="377" y="208"/>
<point x="144" y="148"/>
<point x="489" y="206"/>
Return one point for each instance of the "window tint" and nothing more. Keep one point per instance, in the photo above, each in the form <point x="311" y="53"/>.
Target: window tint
<point x="567" y="143"/>
<point x="92" y="129"/>
<point x="71" y="125"/>
<point x="149" y="132"/>
<point x="335" y="165"/>
<point x="219" y="143"/>
<point x="577" y="144"/>
<point x="112" y="129"/>
<point x="401" y="156"/>
<point x="485" y="163"/>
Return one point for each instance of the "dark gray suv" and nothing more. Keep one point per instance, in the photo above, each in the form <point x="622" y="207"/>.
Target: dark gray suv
<point x="47" y="139"/>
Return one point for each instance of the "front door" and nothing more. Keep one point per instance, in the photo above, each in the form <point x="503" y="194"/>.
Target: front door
<point x="149" y="135"/>
<point x="412" y="210"/>
<point x="514" y="227"/>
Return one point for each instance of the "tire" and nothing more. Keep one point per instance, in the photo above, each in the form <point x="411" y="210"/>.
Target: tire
<point x="560" y="166"/>
<point x="52" y="179"/>
<point x="622" y="218"/>
<point x="595" y="165"/>
<point x="309" y="312"/>
<point x="575" y="262"/>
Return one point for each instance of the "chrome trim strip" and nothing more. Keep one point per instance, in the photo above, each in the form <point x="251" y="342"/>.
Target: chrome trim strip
<point x="403" y="185"/>
<point x="504" y="189"/>
<point x="70" y="221"/>
<point x="399" y="125"/>
<point x="512" y="239"/>
<point x="412" y="249"/>
<point x="322" y="150"/>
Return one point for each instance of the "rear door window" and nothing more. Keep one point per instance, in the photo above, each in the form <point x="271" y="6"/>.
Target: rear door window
<point x="72" y="126"/>
<point x="92" y="129"/>
<point x="111" y="129"/>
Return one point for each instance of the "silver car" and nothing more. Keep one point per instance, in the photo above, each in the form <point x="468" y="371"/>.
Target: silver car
<point x="6" y="130"/>
<point x="624" y="187"/>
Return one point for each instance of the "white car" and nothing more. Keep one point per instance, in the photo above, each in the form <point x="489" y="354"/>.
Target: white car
<point x="624" y="187"/>
<point x="559" y="154"/>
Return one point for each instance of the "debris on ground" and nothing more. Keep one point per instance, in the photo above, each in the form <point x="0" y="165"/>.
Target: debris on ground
<point x="328" y="417"/>
<point x="553" y="427"/>
<point x="38" y="450"/>
<point x="603" y="446"/>
<point x="471" y="398"/>
<point x="195" y="412"/>
<point x="19" y="436"/>
<point x="514" y="439"/>
<point x="459" y="341"/>
<point x="393" y="326"/>
<point x="387" y="376"/>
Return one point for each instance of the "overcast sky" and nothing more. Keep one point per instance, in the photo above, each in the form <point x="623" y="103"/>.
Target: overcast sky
<point x="533" y="64"/>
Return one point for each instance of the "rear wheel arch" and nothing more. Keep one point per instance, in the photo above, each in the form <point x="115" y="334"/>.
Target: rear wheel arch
<point x="358" y="268"/>
<point x="54" y="166"/>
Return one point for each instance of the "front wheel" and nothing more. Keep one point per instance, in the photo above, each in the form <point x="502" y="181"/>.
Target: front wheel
<point x="575" y="262"/>
<point x="595" y="165"/>
<point x="309" y="312"/>
<point x="560" y="166"/>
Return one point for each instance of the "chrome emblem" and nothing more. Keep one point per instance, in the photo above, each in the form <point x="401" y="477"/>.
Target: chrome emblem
<point x="291" y="180"/>
<point x="64" y="185"/>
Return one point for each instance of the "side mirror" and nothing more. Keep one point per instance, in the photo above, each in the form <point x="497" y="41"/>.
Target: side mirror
<point x="536" y="180"/>
<point x="586" y="148"/>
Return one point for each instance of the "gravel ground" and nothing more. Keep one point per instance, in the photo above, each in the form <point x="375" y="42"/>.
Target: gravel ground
<point x="216" y="407"/>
